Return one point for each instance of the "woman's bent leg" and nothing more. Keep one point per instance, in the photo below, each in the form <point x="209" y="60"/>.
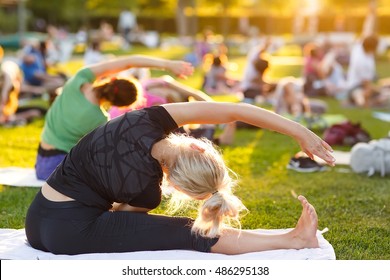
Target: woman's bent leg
<point x="73" y="228"/>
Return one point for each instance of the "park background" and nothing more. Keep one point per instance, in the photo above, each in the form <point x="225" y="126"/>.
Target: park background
<point x="189" y="17"/>
<point x="354" y="207"/>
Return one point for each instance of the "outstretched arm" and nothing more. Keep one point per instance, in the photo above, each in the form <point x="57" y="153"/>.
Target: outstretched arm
<point x="180" y="68"/>
<point x="186" y="91"/>
<point x="218" y="112"/>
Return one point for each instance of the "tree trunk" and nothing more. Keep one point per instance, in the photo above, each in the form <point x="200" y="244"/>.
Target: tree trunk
<point x="181" y="19"/>
<point x="225" y="19"/>
<point x="22" y="21"/>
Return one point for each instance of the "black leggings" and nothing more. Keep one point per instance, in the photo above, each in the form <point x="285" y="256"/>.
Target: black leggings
<point x="73" y="228"/>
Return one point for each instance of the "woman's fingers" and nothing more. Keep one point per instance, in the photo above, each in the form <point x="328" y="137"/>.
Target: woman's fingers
<point x="327" y="146"/>
<point x="182" y="69"/>
<point x="321" y="149"/>
<point x="327" y="149"/>
<point x="187" y="71"/>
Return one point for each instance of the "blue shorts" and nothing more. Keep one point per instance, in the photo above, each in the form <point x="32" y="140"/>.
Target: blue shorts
<point x="47" y="161"/>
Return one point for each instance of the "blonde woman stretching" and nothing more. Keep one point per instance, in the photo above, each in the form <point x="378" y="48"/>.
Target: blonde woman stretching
<point x="97" y="199"/>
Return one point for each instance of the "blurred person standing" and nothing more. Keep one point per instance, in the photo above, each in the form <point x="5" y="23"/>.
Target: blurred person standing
<point x="126" y="24"/>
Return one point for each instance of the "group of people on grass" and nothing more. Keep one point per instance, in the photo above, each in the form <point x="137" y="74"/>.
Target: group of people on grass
<point x="109" y="174"/>
<point x="114" y="139"/>
<point x="325" y="73"/>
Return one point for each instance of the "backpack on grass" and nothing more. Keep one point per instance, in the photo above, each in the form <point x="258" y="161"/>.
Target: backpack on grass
<point x="371" y="157"/>
<point x="346" y="134"/>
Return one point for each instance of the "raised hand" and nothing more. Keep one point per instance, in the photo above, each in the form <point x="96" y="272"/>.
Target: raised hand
<point x="180" y="68"/>
<point x="313" y="145"/>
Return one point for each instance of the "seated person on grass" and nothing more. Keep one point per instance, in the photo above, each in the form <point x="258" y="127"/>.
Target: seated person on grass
<point x="35" y="70"/>
<point x="80" y="107"/>
<point x="361" y="78"/>
<point x="11" y="79"/>
<point x="290" y="99"/>
<point x="217" y="81"/>
<point x="256" y="87"/>
<point x="114" y="176"/>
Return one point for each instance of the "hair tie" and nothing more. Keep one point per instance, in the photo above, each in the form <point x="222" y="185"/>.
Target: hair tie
<point x="196" y="147"/>
<point x="214" y="192"/>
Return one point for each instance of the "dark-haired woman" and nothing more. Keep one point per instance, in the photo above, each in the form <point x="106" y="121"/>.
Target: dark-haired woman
<point x="78" y="109"/>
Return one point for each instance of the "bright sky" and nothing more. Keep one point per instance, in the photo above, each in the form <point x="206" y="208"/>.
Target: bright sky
<point x="311" y="6"/>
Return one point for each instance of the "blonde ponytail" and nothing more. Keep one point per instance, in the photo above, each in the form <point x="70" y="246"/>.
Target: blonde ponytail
<point x="220" y="210"/>
<point x="200" y="172"/>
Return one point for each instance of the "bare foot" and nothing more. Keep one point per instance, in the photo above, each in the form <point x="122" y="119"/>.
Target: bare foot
<point x="304" y="234"/>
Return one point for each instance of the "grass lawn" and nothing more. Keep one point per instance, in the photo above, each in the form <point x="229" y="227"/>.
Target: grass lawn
<point x="354" y="207"/>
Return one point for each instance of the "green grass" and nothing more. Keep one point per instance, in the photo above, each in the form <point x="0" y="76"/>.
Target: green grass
<point x="354" y="207"/>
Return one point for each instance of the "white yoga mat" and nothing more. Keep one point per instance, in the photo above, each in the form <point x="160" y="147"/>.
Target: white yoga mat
<point x="19" y="177"/>
<point x="382" y="116"/>
<point x="342" y="158"/>
<point x="13" y="246"/>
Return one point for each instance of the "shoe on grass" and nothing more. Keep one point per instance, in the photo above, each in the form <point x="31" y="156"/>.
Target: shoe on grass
<point x="304" y="164"/>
